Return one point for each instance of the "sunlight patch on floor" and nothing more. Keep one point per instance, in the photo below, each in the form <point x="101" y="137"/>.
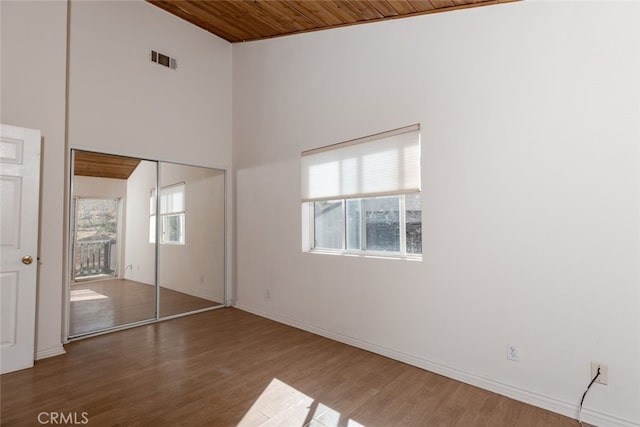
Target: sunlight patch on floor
<point x="283" y="405"/>
<point x="85" y="295"/>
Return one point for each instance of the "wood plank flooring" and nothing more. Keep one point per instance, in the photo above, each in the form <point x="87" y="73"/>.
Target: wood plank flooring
<point x="102" y="304"/>
<point x="230" y="368"/>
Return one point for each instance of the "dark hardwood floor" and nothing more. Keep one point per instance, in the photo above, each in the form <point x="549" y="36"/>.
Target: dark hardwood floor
<point x="227" y="367"/>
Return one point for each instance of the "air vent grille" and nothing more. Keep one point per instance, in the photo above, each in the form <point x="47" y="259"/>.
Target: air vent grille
<point x="165" y="60"/>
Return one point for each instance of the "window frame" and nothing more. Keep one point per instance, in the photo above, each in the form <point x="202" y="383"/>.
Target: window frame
<point x="311" y="247"/>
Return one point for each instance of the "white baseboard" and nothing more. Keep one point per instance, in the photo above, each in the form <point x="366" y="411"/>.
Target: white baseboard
<point x="549" y="403"/>
<point x="50" y="352"/>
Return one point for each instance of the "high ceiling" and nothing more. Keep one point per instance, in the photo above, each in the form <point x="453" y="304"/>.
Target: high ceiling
<point x="245" y="20"/>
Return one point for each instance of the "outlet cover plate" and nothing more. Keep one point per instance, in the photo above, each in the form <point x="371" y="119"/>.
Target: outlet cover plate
<point x="603" y="378"/>
<point x="513" y="352"/>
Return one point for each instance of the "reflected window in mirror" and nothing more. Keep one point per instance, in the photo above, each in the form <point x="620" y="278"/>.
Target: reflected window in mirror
<point x="172" y="215"/>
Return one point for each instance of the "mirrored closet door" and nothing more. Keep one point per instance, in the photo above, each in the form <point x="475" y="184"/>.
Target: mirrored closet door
<point x="147" y="241"/>
<point x="191" y="238"/>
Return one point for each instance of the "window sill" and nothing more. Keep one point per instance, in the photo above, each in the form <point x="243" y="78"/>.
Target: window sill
<point x="375" y="255"/>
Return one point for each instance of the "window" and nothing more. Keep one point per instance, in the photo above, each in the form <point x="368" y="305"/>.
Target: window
<point x="172" y="215"/>
<point x="363" y="196"/>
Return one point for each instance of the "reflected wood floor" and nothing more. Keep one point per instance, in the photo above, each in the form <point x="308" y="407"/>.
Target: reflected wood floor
<point x="227" y="367"/>
<point x="102" y="304"/>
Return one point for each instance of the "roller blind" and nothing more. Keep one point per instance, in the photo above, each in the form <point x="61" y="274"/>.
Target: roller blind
<point x="381" y="164"/>
<point x="171" y="199"/>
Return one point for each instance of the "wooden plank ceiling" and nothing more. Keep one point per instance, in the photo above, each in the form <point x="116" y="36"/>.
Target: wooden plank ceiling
<point x="100" y="165"/>
<point x="246" y="20"/>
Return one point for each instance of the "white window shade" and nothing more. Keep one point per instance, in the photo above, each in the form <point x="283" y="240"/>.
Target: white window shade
<point x="172" y="199"/>
<point x="386" y="163"/>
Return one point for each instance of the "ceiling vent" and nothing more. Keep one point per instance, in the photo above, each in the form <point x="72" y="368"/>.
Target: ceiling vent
<point x="162" y="59"/>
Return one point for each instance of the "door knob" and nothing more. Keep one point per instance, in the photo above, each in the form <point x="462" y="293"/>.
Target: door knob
<point x="26" y="260"/>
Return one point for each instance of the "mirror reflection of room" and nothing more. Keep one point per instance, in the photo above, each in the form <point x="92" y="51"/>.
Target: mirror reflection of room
<point x="120" y="229"/>
<point x="191" y="238"/>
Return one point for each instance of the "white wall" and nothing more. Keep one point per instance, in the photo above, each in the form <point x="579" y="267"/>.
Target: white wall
<point x="121" y="102"/>
<point x="530" y="128"/>
<point x="32" y="77"/>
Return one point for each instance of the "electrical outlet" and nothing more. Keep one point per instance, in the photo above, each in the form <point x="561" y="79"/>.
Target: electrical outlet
<point x="603" y="378"/>
<point x="513" y="352"/>
<point x="268" y="294"/>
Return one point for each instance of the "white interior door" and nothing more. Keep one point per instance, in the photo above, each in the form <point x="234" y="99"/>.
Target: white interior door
<point x="19" y="199"/>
